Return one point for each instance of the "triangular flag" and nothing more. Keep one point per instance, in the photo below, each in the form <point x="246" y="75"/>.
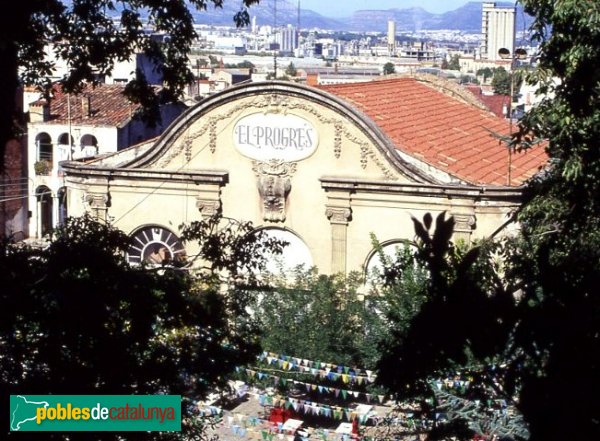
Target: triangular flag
<point x="344" y="393"/>
<point x="381" y="397"/>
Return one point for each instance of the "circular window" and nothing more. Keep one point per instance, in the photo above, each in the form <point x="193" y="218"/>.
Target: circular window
<point x="155" y="245"/>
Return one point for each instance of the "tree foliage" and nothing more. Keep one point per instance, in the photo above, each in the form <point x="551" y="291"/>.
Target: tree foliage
<point x="501" y="81"/>
<point x="83" y="35"/>
<point x="319" y="317"/>
<point x="454" y="63"/>
<point x="291" y="70"/>
<point x="77" y="318"/>
<point x="558" y="256"/>
<point x="539" y="321"/>
<point x="389" y="68"/>
<point x="485" y="72"/>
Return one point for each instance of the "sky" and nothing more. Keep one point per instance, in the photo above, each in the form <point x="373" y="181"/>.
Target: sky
<point x="344" y="8"/>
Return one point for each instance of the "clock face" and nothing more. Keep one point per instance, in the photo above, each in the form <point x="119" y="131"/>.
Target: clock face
<point x="155" y="245"/>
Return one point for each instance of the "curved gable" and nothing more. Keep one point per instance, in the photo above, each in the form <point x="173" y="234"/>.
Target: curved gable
<point x="206" y="126"/>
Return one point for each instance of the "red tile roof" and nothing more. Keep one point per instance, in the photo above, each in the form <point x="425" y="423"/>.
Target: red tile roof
<point x="440" y="130"/>
<point x="109" y="107"/>
<point x="496" y="103"/>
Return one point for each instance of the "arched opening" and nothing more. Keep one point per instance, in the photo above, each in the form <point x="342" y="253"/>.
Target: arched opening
<point x="295" y="254"/>
<point x="89" y="145"/>
<point x="61" y="195"/>
<point x="392" y="251"/>
<point x="64" y="144"/>
<point x="44" y="210"/>
<point x="63" y="139"/>
<point x="43" y="154"/>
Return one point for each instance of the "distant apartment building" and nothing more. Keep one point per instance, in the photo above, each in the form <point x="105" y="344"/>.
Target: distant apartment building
<point x="391" y="37"/>
<point x="498" y="30"/>
<point x="98" y="121"/>
<point x="123" y="70"/>
<point x="225" y="78"/>
<point x="287" y="38"/>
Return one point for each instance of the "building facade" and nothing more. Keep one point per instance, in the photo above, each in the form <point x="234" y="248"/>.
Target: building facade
<point x="322" y="168"/>
<point x="498" y="30"/>
<point x="101" y="120"/>
<point x="391" y="37"/>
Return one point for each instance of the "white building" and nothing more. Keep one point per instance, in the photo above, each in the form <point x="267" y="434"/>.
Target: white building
<point x="391" y="37"/>
<point x="100" y="120"/>
<point x="123" y="70"/>
<point x="287" y="38"/>
<point x="498" y="30"/>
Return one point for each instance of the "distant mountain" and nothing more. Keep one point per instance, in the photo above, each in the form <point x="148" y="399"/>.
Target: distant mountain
<point x="287" y="13"/>
<point x="467" y="18"/>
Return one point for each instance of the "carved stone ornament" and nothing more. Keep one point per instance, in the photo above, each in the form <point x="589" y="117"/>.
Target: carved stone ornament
<point x="464" y="222"/>
<point x="274" y="186"/>
<point x="98" y="203"/>
<point x="339" y="215"/>
<point x="208" y="207"/>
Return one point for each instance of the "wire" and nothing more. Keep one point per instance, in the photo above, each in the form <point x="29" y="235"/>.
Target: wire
<point x="159" y="186"/>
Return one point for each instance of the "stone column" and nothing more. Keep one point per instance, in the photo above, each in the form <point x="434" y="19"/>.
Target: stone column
<point x="339" y="217"/>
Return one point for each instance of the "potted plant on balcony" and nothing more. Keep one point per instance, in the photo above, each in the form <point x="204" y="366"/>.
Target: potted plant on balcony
<point x="42" y="167"/>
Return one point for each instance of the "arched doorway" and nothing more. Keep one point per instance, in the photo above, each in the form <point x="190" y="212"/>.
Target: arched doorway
<point x="44" y="210"/>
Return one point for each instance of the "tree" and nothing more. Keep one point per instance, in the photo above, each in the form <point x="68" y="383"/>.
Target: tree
<point x="485" y="72"/>
<point x="389" y="68"/>
<point x="501" y="81"/>
<point x="320" y="317"/>
<point x="291" y="70"/>
<point x="558" y="257"/>
<point x="85" y="37"/>
<point x="454" y="63"/>
<point x="545" y="337"/>
<point x="77" y="318"/>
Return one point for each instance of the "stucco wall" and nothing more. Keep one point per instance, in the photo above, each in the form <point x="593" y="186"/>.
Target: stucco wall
<point x="350" y="186"/>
